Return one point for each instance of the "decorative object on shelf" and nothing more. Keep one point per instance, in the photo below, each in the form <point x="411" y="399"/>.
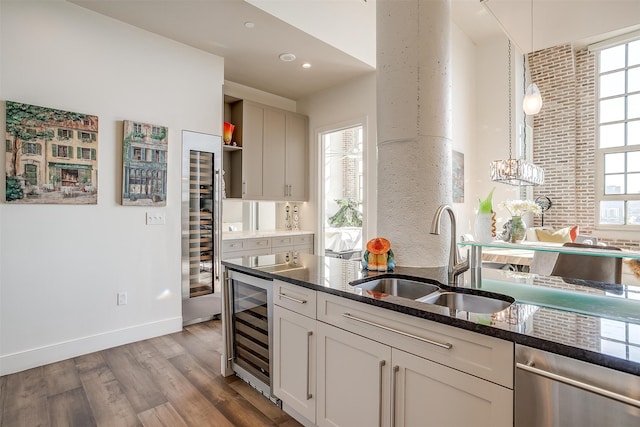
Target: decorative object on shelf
<point x="545" y="204"/>
<point x="518" y="208"/>
<point x="518" y="229"/>
<point x="144" y="164"/>
<point x="532" y="101"/>
<point x="287" y="217"/>
<point x="485" y="224"/>
<point x="51" y="156"/>
<point x="227" y="133"/>
<point x="378" y="256"/>
<point x="295" y="218"/>
<point x="515" y="171"/>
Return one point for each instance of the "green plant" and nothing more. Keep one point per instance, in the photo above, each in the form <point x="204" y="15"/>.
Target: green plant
<point x="348" y="215"/>
<point x="13" y="188"/>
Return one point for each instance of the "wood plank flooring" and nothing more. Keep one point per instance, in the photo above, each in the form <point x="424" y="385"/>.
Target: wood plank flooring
<point x="172" y="380"/>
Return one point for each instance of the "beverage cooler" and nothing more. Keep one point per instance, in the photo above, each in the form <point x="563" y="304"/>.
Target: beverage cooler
<point x="201" y="230"/>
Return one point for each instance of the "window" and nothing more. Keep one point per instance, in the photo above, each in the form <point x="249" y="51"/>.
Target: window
<point x="342" y="191"/>
<point x="9" y="145"/>
<point x="31" y="148"/>
<point x="137" y="128"/>
<point x="618" y="150"/>
<point x="86" y="136"/>
<point x="155" y="130"/>
<point x="64" y="134"/>
<point x="63" y="151"/>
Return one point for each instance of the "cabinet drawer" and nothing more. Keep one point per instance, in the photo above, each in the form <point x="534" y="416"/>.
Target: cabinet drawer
<point x="231" y="245"/>
<point x="295" y="298"/>
<point x="257" y="243"/>
<point x="303" y="239"/>
<point x="277" y="242"/>
<point x="480" y="355"/>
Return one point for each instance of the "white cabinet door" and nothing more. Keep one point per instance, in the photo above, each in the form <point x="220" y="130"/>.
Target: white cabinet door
<point x="273" y="160"/>
<point x="252" y="132"/>
<point x="294" y="357"/>
<point x="425" y="393"/>
<point x="296" y="157"/>
<point x="353" y="379"/>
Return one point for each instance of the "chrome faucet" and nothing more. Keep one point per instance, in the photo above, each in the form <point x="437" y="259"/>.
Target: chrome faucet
<point x="456" y="265"/>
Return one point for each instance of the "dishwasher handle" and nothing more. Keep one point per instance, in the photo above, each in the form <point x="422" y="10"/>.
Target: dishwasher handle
<point x="529" y="367"/>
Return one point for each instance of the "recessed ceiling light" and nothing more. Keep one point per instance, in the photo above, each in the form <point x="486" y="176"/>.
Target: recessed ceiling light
<point x="306" y="65"/>
<point x="287" y="57"/>
<point x="249" y="24"/>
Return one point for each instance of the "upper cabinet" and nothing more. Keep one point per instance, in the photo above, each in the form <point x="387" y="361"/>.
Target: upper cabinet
<point x="270" y="159"/>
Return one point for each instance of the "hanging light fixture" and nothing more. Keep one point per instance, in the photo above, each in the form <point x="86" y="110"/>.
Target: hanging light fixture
<point x="532" y="102"/>
<point x="515" y="171"/>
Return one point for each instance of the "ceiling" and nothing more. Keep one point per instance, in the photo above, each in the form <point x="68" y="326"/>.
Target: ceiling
<point x="251" y="54"/>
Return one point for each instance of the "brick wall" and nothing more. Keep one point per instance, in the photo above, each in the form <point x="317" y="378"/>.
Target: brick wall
<point x="565" y="137"/>
<point x="555" y="145"/>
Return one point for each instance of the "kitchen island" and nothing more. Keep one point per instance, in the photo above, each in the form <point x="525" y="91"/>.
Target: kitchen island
<point x="590" y="322"/>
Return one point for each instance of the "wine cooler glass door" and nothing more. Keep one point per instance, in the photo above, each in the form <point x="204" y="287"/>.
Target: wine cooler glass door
<point x="201" y="234"/>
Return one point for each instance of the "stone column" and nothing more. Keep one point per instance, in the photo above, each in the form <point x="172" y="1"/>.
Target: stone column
<point x="414" y="127"/>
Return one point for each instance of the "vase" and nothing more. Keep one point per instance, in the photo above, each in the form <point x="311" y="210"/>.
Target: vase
<point x="518" y="229"/>
<point x="485" y="227"/>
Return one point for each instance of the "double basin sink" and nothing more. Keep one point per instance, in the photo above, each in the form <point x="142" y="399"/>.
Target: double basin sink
<point x="460" y="299"/>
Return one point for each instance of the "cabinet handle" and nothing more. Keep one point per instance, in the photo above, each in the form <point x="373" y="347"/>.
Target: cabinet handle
<point x="446" y="345"/>
<point x="579" y="384"/>
<point x="299" y="301"/>
<point x="309" y="334"/>
<point x="382" y="363"/>
<point x="394" y="376"/>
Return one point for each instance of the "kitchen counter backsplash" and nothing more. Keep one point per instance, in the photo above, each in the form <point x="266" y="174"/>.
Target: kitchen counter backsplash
<point x="583" y="320"/>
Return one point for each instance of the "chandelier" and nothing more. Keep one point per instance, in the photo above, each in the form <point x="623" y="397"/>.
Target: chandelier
<point x="515" y="171"/>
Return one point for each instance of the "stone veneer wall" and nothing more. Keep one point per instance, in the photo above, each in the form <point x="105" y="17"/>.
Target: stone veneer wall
<point x="565" y="137"/>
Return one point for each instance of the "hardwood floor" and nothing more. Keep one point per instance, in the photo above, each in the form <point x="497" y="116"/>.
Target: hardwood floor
<point x="173" y="380"/>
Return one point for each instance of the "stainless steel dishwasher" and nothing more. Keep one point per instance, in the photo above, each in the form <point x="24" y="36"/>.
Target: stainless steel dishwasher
<point x="553" y="390"/>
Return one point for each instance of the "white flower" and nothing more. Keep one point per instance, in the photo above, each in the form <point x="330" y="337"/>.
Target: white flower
<point x="520" y="207"/>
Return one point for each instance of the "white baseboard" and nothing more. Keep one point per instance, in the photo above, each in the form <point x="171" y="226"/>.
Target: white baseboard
<point x="20" y="361"/>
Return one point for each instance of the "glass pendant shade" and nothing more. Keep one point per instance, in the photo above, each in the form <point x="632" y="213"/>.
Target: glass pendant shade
<point x="532" y="102"/>
<point x="516" y="172"/>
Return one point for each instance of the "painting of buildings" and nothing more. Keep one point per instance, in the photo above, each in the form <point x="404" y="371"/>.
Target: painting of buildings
<point x="144" y="165"/>
<point x="51" y="155"/>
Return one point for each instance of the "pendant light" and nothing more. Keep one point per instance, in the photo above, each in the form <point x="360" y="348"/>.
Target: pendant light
<point x="515" y="171"/>
<point x="532" y="102"/>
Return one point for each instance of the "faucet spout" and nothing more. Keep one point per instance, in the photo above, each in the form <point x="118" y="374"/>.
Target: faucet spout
<point x="456" y="266"/>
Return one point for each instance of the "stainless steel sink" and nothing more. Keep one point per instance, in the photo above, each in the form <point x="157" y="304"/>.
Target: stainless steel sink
<point x="404" y="288"/>
<point x="458" y="301"/>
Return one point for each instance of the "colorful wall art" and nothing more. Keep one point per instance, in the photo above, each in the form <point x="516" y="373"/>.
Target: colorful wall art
<point x="51" y="156"/>
<point x="144" y="164"/>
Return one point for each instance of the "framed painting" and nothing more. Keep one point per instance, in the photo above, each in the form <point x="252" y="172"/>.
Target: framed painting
<point x="51" y="156"/>
<point x="457" y="170"/>
<point x="144" y="164"/>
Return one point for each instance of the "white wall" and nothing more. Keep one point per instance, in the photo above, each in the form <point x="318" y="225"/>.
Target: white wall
<point x="463" y="120"/>
<point x="62" y="266"/>
<point x="335" y="107"/>
<point x="492" y="106"/>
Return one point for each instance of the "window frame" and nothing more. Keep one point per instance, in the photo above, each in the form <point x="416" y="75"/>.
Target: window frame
<point x="600" y="153"/>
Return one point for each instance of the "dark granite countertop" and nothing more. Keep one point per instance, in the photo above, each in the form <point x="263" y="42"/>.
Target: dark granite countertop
<point x="594" y="322"/>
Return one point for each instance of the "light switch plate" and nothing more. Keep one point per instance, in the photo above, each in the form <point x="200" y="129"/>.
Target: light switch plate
<point x="155" y="218"/>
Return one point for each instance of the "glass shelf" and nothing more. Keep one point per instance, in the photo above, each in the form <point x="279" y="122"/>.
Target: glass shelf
<point x="536" y="246"/>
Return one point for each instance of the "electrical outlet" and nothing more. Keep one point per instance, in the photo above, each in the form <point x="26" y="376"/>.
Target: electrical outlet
<point x="155" y="218"/>
<point x="122" y="298"/>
